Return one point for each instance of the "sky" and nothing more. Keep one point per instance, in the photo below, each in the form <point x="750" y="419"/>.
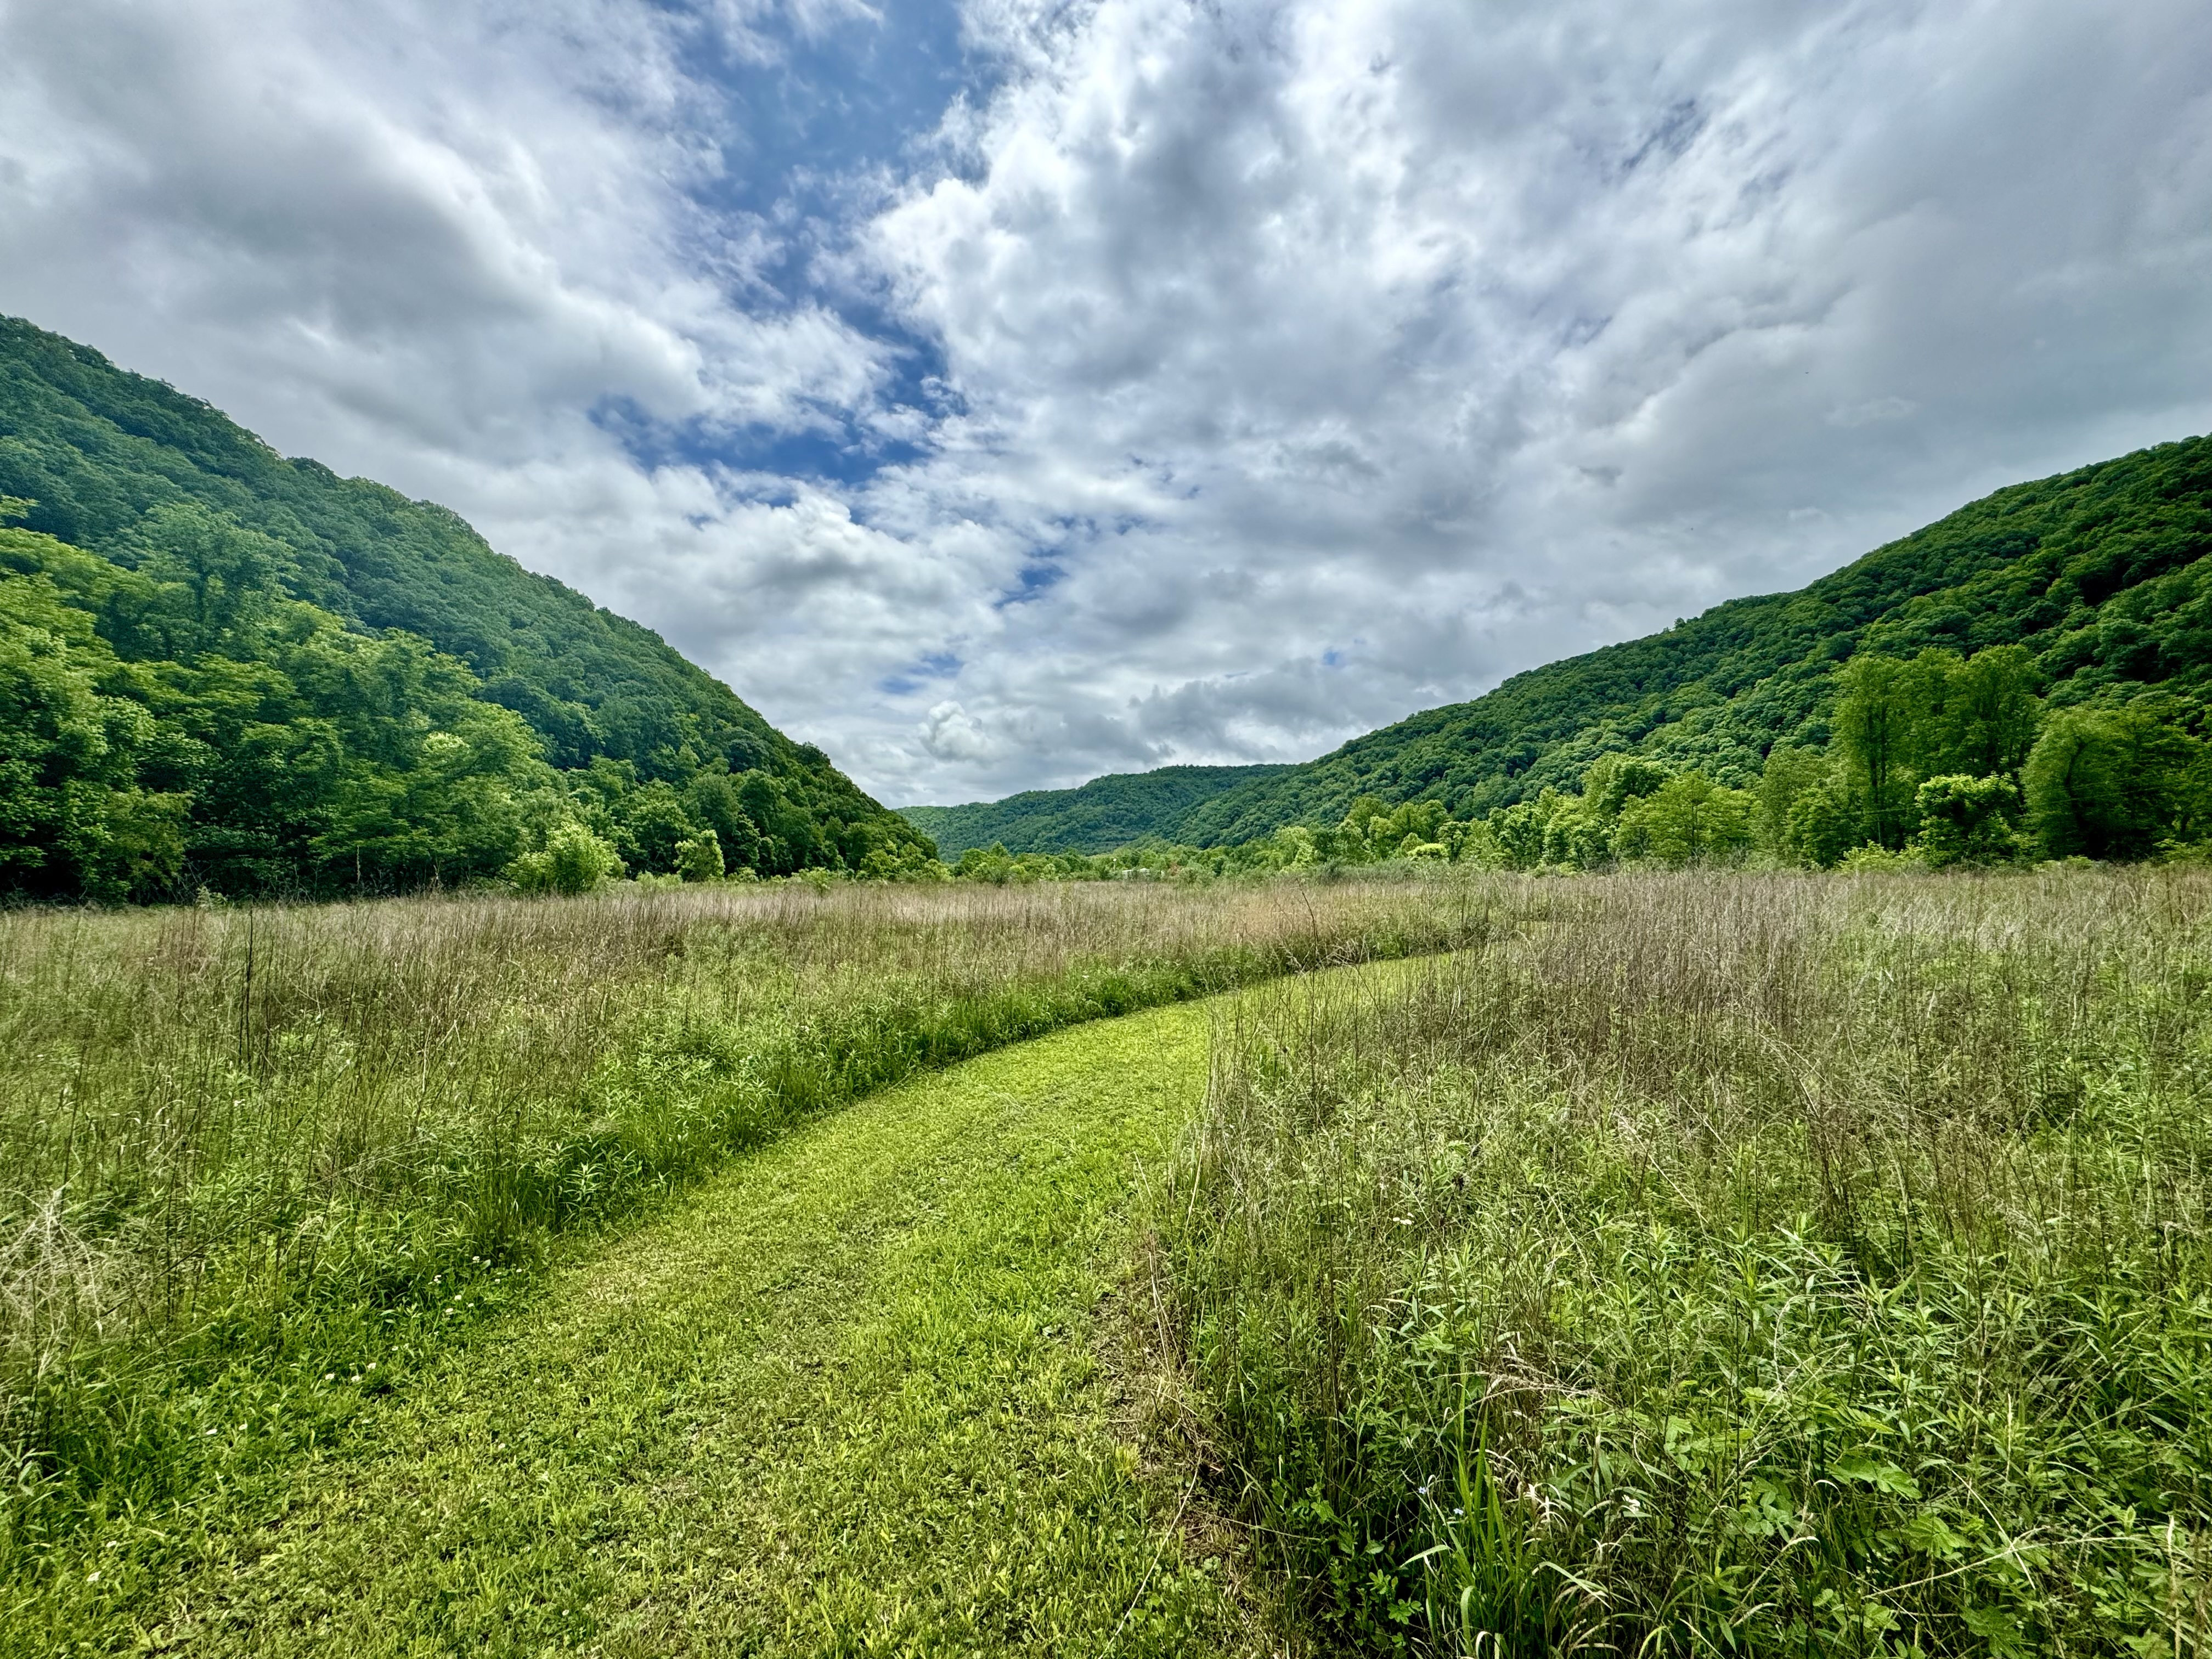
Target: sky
<point x="1000" y="392"/>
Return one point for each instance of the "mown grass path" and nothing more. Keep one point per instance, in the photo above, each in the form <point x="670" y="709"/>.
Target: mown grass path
<point x="848" y="1399"/>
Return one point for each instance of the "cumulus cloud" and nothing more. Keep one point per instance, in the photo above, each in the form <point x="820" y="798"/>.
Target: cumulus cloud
<point x="1429" y="344"/>
<point x="1166" y="382"/>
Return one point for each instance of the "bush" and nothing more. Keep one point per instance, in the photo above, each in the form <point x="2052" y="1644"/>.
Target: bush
<point x="700" y="858"/>
<point x="1966" y="820"/>
<point x="573" y="860"/>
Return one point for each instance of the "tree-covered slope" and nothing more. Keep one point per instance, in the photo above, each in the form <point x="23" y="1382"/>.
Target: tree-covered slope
<point x="2100" y="574"/>
<point x="235" y="599"/>
<point x="1105" y="813"/>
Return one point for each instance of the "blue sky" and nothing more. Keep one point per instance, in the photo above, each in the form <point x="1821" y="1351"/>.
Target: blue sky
<point x="811" y="117"/>
<point x="999" y="392"/>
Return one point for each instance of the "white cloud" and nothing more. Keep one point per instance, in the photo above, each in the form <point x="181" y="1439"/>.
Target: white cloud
<point x="1289" y="366"/>
<point x="1488" y="337"/>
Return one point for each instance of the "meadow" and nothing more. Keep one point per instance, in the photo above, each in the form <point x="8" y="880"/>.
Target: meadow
<point x="1723" y="1260"/>
<point x="260" y="1165"/>
<point x="1722" y="1263"/>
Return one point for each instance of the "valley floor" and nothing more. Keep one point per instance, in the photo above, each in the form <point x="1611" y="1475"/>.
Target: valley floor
<point x="859" y="1394"/>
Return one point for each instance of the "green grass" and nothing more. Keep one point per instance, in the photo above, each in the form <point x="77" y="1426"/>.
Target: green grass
<point x="253" y="1164"/>
<point x="1715" y="1263"/>
<point x="859" y="1394"/>
<point x="1727" y="1264"/>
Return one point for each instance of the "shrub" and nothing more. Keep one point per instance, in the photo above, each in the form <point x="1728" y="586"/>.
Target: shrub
<point x="700" y="858"/>
<point x="573" y="861"/>
<point x="1966" y="820"/>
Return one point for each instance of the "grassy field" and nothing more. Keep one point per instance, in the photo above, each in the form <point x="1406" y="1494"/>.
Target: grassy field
<point x="1726" y="1264"/>
<point x="1685" y="1264"/>
<point x="869" y="1391"/>
<point x="259" y="1168"/>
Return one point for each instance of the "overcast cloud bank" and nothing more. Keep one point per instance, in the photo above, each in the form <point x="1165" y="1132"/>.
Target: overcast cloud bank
<point x="1001" y="396"/>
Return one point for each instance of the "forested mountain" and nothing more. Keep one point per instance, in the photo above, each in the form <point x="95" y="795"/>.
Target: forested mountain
<point x="2026" y="677"/>
<point x="2100" y="575"/>
<point x="222" y="668"/>
<point x="1107" y="812"/>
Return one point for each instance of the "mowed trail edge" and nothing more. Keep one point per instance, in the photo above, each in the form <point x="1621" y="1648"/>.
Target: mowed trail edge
<point x="848" y="1399"/>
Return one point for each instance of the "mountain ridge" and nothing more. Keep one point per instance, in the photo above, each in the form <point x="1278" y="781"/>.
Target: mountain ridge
<point x="176" y="499"/>
<point x="1111" y="810"/>
<point x="2099" y="571"/>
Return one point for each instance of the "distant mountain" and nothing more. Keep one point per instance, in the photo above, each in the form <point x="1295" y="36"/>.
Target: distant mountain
<point x="2102" y="574"/>
<point x="1102" y="815"/>
<point x="274" y="654"/>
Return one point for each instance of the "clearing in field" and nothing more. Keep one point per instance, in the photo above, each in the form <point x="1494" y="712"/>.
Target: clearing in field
<point x="267" y="1170"/>
<point x="862" y="1394"/>
<point x="1774" y="1263"/>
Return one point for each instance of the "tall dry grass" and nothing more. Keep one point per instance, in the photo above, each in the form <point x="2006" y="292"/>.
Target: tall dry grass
<point x="254" y="1164"/>
<point x="1737" y="1263"/>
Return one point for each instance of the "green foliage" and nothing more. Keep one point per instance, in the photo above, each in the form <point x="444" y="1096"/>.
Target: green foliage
<point x="573" y="861"/>
<point x="1930" y="658"/>
<point x="2109" y="783"/>
<point x="1985" y="714"/>
<point x="2125" y="781"/>
<point x="1900" y="726"/>
<point x="715" y="805"/>
<point x="1966" y="820"/>
<point x="1723" y="1264"/>
<point x="70" y="751"/>
<point x="700" y="858"/>
<point x="1803" y="808"/>
<point x="1616" y="779"/>
<point x="221" y="669"/>
<point x="2118" y="781"/>
<point x="2090" y="586"/>
<point x="275" y="749"/>
<point x="1878" y="704"/>
<point x="1687" y="820"/>
<point x="1823" y="825"/>
<point x="1120" y="809"/>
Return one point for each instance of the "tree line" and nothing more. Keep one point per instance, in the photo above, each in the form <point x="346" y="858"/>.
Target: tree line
<point x="2104" y="574"/>
<point x="1938" y="759"/>
<point x="173" y="720"/>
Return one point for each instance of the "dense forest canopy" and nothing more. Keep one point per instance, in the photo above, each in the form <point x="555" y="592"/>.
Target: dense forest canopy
<point x="2025" y="677"/>
<point x="1115" y="810"/>
<point x="221" y="669"/>
<point x="2099" y="574"/>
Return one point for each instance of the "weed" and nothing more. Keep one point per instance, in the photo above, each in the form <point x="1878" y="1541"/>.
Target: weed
<point x="1746" y="1263"/>
<point x="261" y="1163"/>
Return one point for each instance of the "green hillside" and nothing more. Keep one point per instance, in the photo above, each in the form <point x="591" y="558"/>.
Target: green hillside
<point x="2100" y="574"/>
<point x="222" y="668"/>
<point x="1115" y="810"/>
